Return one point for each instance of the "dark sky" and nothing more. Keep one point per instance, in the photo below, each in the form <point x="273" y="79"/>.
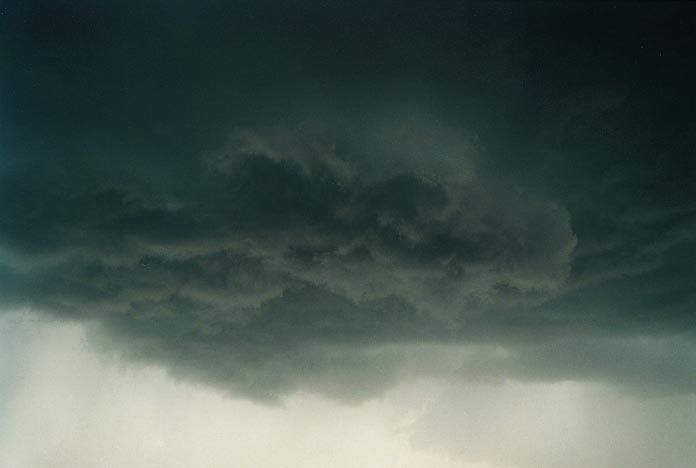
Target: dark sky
<point x="277" y="197"/>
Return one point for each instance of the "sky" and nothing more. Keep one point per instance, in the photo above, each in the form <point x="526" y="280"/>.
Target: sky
<point x="366" y="234"/>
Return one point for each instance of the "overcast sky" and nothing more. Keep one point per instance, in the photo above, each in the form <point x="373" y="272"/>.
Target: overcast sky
<point x="361" y="234"/>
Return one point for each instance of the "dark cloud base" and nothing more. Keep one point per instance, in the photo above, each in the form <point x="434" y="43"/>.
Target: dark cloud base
<point x="330" y="199"/>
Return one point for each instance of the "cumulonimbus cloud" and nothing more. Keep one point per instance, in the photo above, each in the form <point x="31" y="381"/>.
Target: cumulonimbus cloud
<point x="306" y="256"/>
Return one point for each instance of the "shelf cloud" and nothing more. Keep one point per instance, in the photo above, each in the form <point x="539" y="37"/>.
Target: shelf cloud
<point x="341" y="200"/>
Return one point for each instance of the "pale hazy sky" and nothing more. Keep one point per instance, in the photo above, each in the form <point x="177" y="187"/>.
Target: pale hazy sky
<point x="65" y="406"/>
<point x="366" y="234"/>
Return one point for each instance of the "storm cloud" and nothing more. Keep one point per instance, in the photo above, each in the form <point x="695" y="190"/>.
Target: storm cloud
<point x="335" y="200"/>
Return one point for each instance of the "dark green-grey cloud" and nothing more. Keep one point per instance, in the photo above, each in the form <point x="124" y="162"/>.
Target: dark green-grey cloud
<point x="267" y="200"/>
